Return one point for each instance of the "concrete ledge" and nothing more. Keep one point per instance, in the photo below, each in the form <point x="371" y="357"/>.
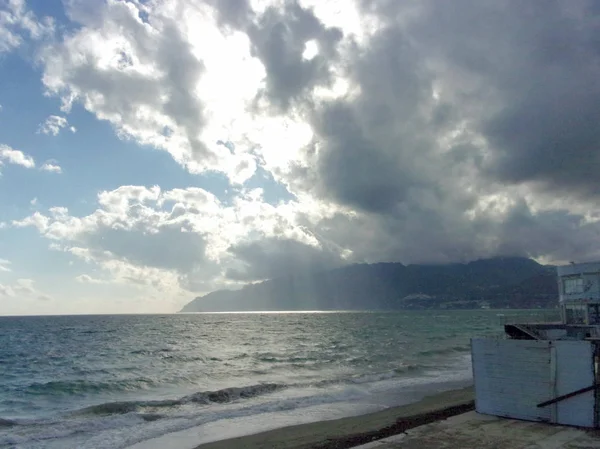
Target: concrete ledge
<point x="475" y="431"/>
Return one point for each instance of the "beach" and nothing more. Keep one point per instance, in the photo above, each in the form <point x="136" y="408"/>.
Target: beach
<point x="352" y="431"/>
<point x="335" y="433"/>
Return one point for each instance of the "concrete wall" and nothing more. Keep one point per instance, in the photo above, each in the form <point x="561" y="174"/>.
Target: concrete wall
<point x="513" y="376"/>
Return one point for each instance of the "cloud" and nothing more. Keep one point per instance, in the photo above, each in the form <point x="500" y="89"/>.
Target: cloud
<point x="16" y="21"/>
<point x="22" y="289"/>
<point x="37" y="220"/>
<point x="87" y="279"/>
<point x="274" y="257"/>
<point x="186" y="240"/>
<point x="183" y="238"/>
<point x="145" y="82"/>
<point x="412" y="146"/>
<point x="4" y="265"/>
<point x="527" y="82"/>
<point x="166" y="84"/>
<point x="279" y="38"/>
<point x="15" y="157"/>
<point x="413" y="131"/>
<point x="54" y="124"/>
<point x="52" y="167"/>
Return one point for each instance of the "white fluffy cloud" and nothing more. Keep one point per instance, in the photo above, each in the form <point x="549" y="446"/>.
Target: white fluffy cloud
<point x="16" y="21"/>
<point x="165" y="82"/>
<point x="5" y="265"/>
<point x="52" y="167"/>
<point x="184" y="238"/>
<point x="11" y="156"/>
<point x="87" y="279"/>
<point x="22" y="289"/>
<point x="156" y="83"/>
<point x="54" y="124"/>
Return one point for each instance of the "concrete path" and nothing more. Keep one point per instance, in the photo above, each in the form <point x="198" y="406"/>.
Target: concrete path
<point x="475" y="431"/>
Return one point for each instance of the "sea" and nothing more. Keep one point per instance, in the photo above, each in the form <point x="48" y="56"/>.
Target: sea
<point x="151" y="381"/>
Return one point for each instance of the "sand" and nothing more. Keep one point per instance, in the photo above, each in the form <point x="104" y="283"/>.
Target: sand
<point x="349" y="432"/>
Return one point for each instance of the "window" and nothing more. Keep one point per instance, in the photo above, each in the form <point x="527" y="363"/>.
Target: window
<point x="575" y="314"/>
<point x="569" y="316"/>
<point x="594" y="314"/>
<point x="572" y="286"/>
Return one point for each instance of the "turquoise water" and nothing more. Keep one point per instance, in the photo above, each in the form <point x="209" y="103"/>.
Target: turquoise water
<point x="112" y="381"/>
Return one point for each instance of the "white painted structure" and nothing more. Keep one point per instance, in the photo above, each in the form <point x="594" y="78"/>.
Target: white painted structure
<point x="503" y="387"/>
<point x="512" y="377"/>
<point x="547" y="371"/>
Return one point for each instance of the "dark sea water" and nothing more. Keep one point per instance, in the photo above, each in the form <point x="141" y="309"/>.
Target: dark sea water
<point x="114" y="381"/>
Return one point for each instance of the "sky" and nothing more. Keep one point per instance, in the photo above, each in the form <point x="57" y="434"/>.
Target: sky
<point x="153" y="151"/>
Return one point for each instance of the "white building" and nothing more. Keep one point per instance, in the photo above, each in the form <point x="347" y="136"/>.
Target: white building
<point x="579" y="293"/>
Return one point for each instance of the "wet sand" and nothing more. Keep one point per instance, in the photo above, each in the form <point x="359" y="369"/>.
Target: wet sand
<point x="356" y="430"/>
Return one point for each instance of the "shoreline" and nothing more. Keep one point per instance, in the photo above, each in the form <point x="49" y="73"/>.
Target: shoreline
<point x="356" y="430"/>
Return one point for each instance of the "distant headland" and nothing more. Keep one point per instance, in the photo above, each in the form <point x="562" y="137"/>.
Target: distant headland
<point x="502" y="282"/>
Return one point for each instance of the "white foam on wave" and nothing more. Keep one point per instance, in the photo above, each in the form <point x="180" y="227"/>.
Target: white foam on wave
<point x="195" y="423"/>
<point x="248" y="425"/>
<point x="351" y="400"/>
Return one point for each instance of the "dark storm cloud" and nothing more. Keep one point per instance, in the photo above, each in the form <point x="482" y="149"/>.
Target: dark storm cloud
<point x="169" y="249"/>
<point x="524" y="76"/>
<point x="183" y="71"/>
<point x="540" y="65"/>
<point x="519" y="81"/>
<point x="354" y="173"/>
<point x="278" y="39"/>
<point x="555" y="234"/>
<point x="234" y="13"/>
<point x="273" y="257"/>
<point x="374" y="149"/>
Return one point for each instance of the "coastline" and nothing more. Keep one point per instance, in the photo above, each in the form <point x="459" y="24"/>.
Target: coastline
<point x="352" y="431"/>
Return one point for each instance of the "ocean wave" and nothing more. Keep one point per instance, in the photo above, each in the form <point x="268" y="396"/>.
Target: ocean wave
<point x="100" y="331"/>
<point x="7" y="422"/>
<point x="386" y="375"/>
<point x="74" y="387"/>
<point x="119" y="425"/>
<point x="104" y="431"/>
<point x="445" y="351"/>
<point x="202" y="397"/>
<point x="400" y="372"/>
<point x="293" y="359"/>
<point x="185" y="358"/>
<point x="149" y="417"/>
<point x="150" y="352"/>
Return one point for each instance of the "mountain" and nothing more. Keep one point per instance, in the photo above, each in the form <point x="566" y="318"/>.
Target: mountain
<point x="499" y="282"/>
